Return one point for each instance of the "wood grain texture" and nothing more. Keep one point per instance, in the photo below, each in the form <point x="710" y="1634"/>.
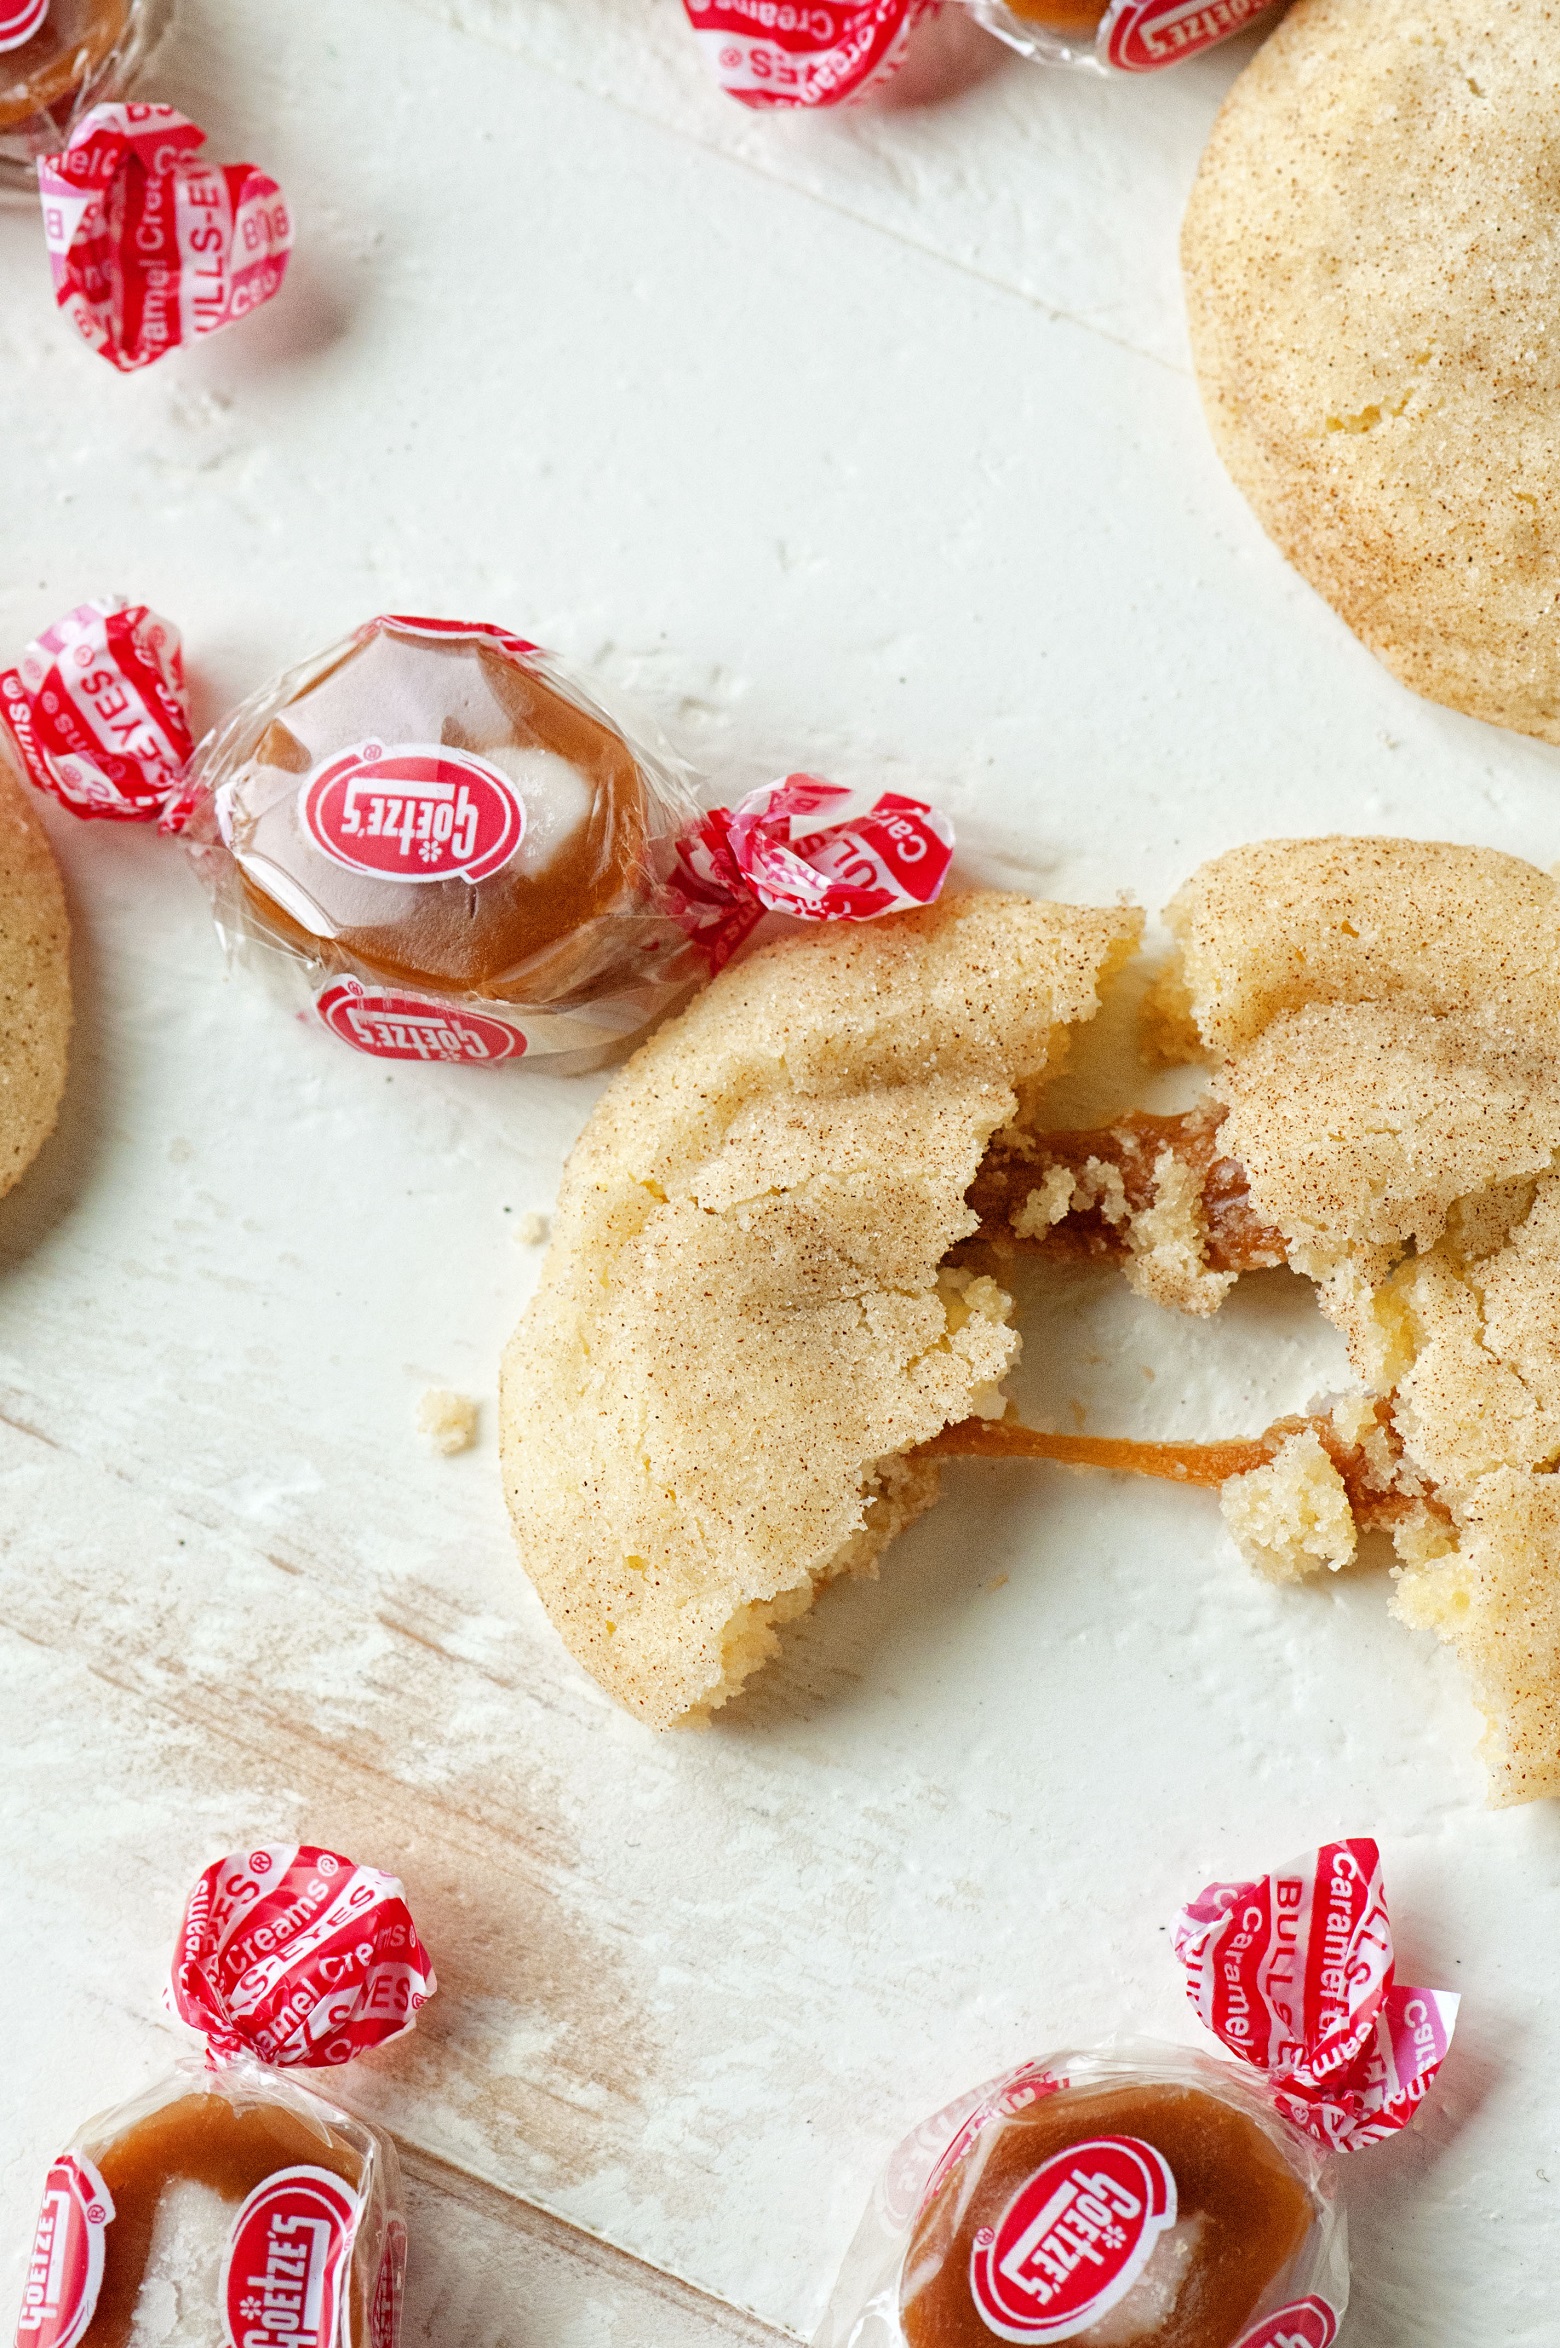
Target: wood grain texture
<point x="492" y="2269"/>
<point x="807" y="468"/>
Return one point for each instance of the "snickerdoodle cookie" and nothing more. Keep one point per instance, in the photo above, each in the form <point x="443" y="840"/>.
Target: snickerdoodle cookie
<point x="1372" y="260"/>
<point x="745" y="1321"/>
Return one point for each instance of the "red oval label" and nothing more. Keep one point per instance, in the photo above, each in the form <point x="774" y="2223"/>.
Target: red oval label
<point x="284" y="2277"/>
<point x="1073" y="2239"/>
<point x="1139" y="36"/>
<point x="1304" y="2323"/>
<point x="65" y="2267"/>
<point x="19" y="20"/>
<point x="418" y="811"/>
<point x="409" y="1027"/>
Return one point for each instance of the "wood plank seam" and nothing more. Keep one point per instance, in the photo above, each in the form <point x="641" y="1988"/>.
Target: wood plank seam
<point x="515" y="2210"/>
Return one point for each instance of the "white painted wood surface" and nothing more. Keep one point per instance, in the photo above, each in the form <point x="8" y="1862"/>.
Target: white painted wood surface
<point x="867" y="445"/>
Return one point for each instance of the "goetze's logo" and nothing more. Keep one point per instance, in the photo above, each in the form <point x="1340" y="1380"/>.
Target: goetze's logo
<point x="1138" y="36"/>
<point x="1305" y="2323"/>
<point x="284" y="2280"/>
<point x="405" y="1027"/>
<point x="1073" y="2240"/>
<point x="414" y="812"/>
<point x="65" y="2270"/>
<point x="19" y="20"/>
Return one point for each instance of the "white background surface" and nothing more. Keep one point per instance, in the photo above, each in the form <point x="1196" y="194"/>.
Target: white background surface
<point x="869" y="445"/>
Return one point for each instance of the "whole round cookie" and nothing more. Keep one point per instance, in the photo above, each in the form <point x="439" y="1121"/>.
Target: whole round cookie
<point x="1372" y="259"/>
<point x="34" y="983"/>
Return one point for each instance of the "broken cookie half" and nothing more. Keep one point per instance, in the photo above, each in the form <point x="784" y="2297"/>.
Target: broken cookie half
<point x="747" y="1324"/>
<point x="1384" y="1115"/>
<point x="773" y="1301"/>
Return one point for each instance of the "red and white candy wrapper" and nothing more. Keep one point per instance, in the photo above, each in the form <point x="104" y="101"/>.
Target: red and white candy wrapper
<point x="803" y="53"/>
<point x="771" y="853"/>
<point x="1091" y="2234"/>
<point x="269" y="2216"/>
<point x="97" y="709"/>
<point x="1294" y="1974"/>
<point x="990" y="2215"/>
<point x="322" y="865"/>
<point x="293" y="1956"/>
<point x="149" y="246"/>
<point x="785" y="53"/>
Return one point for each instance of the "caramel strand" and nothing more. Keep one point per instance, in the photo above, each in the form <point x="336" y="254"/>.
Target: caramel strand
<point x="1184" y="1463"/>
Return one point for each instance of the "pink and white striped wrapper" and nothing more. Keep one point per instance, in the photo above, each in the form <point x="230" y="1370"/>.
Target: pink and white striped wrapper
<point x="294" y="1956"/>
<point x="1294" y="1974"/>
<point x="149" y="247"/>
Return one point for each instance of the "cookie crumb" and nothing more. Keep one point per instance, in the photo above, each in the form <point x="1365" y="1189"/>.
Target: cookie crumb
<point x="531" y="1229"/>
<point x="1293" y="1515"/>
<point x="448" y="1420"/>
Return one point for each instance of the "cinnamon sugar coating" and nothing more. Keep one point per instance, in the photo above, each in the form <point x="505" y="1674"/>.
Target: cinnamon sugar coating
<point x="35" y="1004"/>
<point x="745" y="1321"/>
<point x="1496" y="1602"/>
<point x="1371" y="274"/>
<point x="1386" y="1020"/>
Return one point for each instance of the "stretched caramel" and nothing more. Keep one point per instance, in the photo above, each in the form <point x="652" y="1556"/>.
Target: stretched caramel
<point x="39" y="80"/>
<point x="1375" y="1507"/>
<point x="1238" y="2215"/>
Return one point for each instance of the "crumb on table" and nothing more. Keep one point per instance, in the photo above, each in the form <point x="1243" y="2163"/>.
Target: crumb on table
<point x="449" y="1420"/>
<point x="530" y="1229"/>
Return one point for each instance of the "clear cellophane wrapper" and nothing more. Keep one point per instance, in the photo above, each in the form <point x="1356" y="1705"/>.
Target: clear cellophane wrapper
<point x="229" y="2207"/>
<point x="923" y="2200"/>
<point x="1044" y="44"/>
<point x="573" y="1003"/>
<point x="437" y="839"/>
<point x="219" y="2207"/>
<point x="83" y="52"/>
<point x="1132" y="36"/>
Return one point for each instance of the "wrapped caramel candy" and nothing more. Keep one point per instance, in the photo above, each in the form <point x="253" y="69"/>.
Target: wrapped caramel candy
<point x="436" y="834"/>
<point x="57" y="58"/>
<point x="839" y="50"/>
<point x="1146" y="2196"/>
<point x="228" y="2207"/>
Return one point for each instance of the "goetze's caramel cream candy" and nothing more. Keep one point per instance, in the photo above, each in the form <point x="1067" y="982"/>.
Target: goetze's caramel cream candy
<point x="436" y="807"/>
<point x="454" y="840"/>
<point x="436" y="826"/>
<point x="1144" y="2210"/>
<point x="231" y="2208"/>
<point x="1146" y="2196"/>
<point x="55" y="55"/>
<point x="766" y="53"/>
<point x="1125" y="36"/>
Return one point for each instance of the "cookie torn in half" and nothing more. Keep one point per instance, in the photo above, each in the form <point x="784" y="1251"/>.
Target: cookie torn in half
<point x="746" y="1323"/>
<point x="34" y="983"/>
<point x="1384" y="1017"/>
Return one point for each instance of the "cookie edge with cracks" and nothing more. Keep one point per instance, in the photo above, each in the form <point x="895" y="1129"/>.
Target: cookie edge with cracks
<point x="941" y="1017"/>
